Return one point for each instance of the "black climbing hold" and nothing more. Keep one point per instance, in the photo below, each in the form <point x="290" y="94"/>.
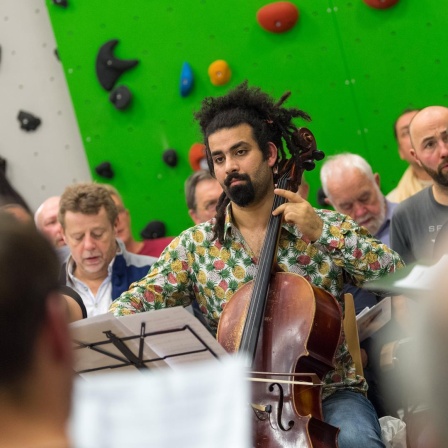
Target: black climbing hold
<point x="154" y="229"/>
<point x="63" y="3"/>
<point x="105" y="170"/>
<point x="108" y="67"/>
<point x="170" y="157"/>
<point x="28" y="122"/>
<point x="120" y="97"/>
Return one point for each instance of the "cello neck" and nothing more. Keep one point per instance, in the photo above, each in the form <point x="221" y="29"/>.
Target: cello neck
<point x="260" y="291"/>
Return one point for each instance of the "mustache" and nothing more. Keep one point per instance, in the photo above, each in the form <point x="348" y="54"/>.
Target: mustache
<point x="443" y="163"/>
<point x="235" y="176"/>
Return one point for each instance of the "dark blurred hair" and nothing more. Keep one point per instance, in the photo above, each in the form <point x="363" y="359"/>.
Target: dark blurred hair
<point x="8" y="195"/>
<point x="29" y="269"/>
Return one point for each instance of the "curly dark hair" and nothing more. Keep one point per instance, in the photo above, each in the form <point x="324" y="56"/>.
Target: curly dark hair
<point x="270" y="122"/>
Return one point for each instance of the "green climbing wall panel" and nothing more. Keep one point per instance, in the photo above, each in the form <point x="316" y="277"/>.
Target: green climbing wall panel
<point x="351" y="67"/>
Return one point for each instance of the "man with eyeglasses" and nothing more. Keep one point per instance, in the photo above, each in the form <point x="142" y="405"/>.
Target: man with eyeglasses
<point x="202" y="192"/>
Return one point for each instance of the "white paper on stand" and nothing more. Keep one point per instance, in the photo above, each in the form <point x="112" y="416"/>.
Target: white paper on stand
<point x="200" y="405"/>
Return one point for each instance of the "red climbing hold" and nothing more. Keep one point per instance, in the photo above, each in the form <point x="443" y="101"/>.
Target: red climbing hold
<point x="380" y="4"/>
<point x="278" y="17"/>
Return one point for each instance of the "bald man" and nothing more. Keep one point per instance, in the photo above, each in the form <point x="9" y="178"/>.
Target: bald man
<point x="46" y="219"/>
<point x="418" y="219"/>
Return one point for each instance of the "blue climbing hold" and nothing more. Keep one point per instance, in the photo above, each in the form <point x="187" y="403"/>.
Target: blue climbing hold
<point x="186" y="79"/>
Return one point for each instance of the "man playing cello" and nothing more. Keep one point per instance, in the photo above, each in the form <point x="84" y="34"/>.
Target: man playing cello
<point x="245" y="132"/>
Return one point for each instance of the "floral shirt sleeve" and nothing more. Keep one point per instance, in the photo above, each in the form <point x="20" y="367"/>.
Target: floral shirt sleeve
<point x="195" y="266"/>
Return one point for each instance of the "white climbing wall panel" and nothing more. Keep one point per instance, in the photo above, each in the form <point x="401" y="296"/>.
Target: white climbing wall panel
<point x="40" y="163"/>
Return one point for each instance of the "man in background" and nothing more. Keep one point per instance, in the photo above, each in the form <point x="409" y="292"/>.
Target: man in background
<point x="417" y="220"/>
<point x="36" y="355"/>
<point x="353" y="189"/>
<point x="99" y="267"/>
<point x="202" y="192"/>
<point x="46" y="220"/>
<point x="415" y="178"/>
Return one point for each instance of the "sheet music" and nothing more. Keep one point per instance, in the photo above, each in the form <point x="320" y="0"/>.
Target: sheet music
<point x="372" y="319"/>
<point x="172" y="342"/>
<point x="198" y="406"/>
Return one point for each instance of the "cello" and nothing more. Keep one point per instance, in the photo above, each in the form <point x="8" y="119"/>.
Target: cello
<point x="278" y="321"/>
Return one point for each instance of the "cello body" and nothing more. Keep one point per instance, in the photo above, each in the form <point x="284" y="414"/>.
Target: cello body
<point x="299" y="335"/>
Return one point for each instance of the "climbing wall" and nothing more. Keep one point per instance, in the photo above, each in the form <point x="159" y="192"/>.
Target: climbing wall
<point x="40" y="162"/>
<point x="353" y="68"/>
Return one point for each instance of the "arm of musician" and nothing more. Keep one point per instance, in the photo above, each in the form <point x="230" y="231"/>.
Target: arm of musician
<point x="165" y="285"/>
<point x="352" y="248"/>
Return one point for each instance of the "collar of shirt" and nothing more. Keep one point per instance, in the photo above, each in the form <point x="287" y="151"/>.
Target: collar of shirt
<point x="384" y="229"/>
<point x="230" y="228"/>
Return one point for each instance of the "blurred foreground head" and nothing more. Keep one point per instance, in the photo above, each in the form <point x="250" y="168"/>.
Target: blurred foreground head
<point x="36" y="356"/>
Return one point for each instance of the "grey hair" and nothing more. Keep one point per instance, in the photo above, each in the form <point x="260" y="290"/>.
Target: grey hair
<point x="191" y="184"/>
<point x="339" y="163"/>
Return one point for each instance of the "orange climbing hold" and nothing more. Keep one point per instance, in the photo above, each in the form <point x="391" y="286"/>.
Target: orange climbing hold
<point x="219" y="72"/>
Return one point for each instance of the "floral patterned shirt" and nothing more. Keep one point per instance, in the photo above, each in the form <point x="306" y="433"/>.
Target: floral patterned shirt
<point x="195" y="266"/>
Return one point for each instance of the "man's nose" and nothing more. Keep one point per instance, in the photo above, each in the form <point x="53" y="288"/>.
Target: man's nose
<point x="231" y="165"/>
<point x="58" y="228"/>
<point x="89" y="242"/>
<point x="444" y="149"/>
<point x="359" y="210"/>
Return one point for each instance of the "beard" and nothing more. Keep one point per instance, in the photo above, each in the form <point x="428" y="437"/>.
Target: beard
<point x="241" y="194"/>
<point x="439" y="177"/>
<point x="377" y="221"/>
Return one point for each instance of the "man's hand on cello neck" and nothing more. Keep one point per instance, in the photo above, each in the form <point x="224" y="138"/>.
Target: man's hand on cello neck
<point x="299" y="212"/>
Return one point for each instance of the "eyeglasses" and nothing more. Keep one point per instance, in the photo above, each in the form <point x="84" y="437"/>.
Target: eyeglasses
<point x="210" y="206"/>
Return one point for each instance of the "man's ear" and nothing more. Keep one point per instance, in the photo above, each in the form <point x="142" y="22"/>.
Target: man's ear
<point x="272" y="154"/>
<point x="327" y="201"/>
<point x="377" y="179"/>
<point x="63" y="234"/>
<point x="193" y="216"/>
<point x="414" y="155"/>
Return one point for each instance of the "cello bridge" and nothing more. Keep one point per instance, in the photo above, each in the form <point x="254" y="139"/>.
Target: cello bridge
<point x="261" y="412"/>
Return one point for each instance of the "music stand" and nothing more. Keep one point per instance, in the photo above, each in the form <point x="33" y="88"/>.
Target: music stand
<point x="169" y="337"/>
